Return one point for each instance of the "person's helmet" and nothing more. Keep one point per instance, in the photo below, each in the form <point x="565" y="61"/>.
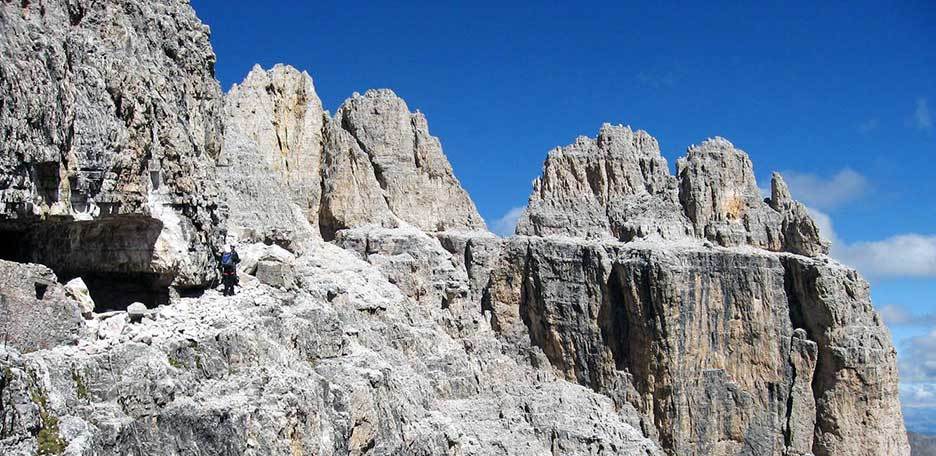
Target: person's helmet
<point x="226" y="249"/>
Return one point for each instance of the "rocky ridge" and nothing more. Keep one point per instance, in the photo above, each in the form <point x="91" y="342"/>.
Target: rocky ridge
<point x="618" y="186"/>
<point x="373" y="163"/>
<point x="636" y="312"/>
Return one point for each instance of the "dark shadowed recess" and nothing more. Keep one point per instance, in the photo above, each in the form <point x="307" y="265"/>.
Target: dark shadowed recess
<point x="112" y="255"/>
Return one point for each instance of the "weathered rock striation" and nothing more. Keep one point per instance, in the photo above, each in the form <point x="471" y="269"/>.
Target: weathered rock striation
<point x="737" y="349"/>
<point x="273" y="125"/>
<point x="636" y="311"/>
<point x="374" y="163"/>
<point x="618" y="186"/>
<point x="110" y="114"/>
<point x="718" y="348"/>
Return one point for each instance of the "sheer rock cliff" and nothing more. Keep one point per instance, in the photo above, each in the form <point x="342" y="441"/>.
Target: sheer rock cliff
<point x="110" y="111"/>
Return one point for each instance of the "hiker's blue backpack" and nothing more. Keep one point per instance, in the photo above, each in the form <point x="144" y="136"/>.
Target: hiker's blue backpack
<point x="227" y="261"/>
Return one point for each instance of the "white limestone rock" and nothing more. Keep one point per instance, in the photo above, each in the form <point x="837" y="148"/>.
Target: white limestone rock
<point x="110" y="112"/>
<point x="136" y="311"/>
<point x="77" y="290"/>
<point x="347" y="364"/>
<point x="616" y="186"/>
<point x="408" y="162"/>
<point x="271" y="159"/>
<point x="352" y="195"/>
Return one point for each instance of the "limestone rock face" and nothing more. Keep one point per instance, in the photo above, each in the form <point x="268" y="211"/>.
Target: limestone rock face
<point x="724" y="352"/>
<point x="800" y="232"/>
<point x="35" y="311"/>
<point x="408" y="162"/>
<point x="615" y="186"/>
<point x="855" y="380"/>
<point x="375" y="163"/>
<point x="273" y="139"/>
<point x="351" y="194"/>
<point x="111" y="111"/>
<point x="757" y="346"/>
<point x="719" y="194"/>
<point x="618" y="187"/>
<point x="349" y="365"/>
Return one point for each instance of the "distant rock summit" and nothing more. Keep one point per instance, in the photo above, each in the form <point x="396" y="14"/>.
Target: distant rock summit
<point x="618" y="186"/>
<point x="634" y="311"/>
<point x="373" y="163"/>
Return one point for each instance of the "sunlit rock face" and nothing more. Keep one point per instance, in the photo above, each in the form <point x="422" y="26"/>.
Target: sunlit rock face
<point x="722" y="321"/>
<point x="111" y="112"/>
<point x="375" y="162"/>
<point x="270" y="163"/>
<point x="618" y="186"/>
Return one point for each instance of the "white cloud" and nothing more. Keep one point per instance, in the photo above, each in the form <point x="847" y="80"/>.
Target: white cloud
<point x="826" y="192"/>
<point x="903" y="255"/>
<point x="918" y="394"/>
<point x="917" y="364"/>
<point x="507" y="223"/>
<point x="918" y="360"/>
<point x="921" y="117"/>
<point x="897" y="315"/>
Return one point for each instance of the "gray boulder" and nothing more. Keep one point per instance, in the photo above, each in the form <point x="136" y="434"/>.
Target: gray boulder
<point x="35" y="311"/>
<point x="136" y="312"/>
<point x="77" y="290"/>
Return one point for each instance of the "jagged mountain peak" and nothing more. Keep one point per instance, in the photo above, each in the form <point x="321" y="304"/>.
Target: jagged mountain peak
<point x="618" y="186"/>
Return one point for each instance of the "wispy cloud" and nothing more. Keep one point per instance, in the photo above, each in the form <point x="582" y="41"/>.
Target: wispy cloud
<point x="921" y="116"/>
<point x="903" y="255"/>
<point x="507" y="223"/>
<point x="897" y="315"/>
<point x="918" y="394"/>
<point x="823" y="192"/>
<point x="919" y="359"/>
<point x="868" y="126"/>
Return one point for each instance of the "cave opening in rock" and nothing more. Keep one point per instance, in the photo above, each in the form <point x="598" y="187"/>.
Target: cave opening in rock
<point x="46" y="176"/>
<point x="113" y="257"/>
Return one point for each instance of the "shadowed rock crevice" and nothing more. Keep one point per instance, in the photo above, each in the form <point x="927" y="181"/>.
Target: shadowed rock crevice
<point x="114" y="256"/>
<point x="855" y="381"/>
<point x="708" y="344"/>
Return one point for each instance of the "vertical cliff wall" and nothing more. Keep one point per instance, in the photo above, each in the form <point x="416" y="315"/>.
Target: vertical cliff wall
<point x="110" y="112"/>
<point x="721" y="321"/>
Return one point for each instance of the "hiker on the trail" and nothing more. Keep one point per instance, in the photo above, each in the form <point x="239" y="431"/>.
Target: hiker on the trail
<point x="229" y="260"/>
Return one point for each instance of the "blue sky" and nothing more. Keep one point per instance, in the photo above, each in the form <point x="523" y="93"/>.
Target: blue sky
<point x="841" y="98"/>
